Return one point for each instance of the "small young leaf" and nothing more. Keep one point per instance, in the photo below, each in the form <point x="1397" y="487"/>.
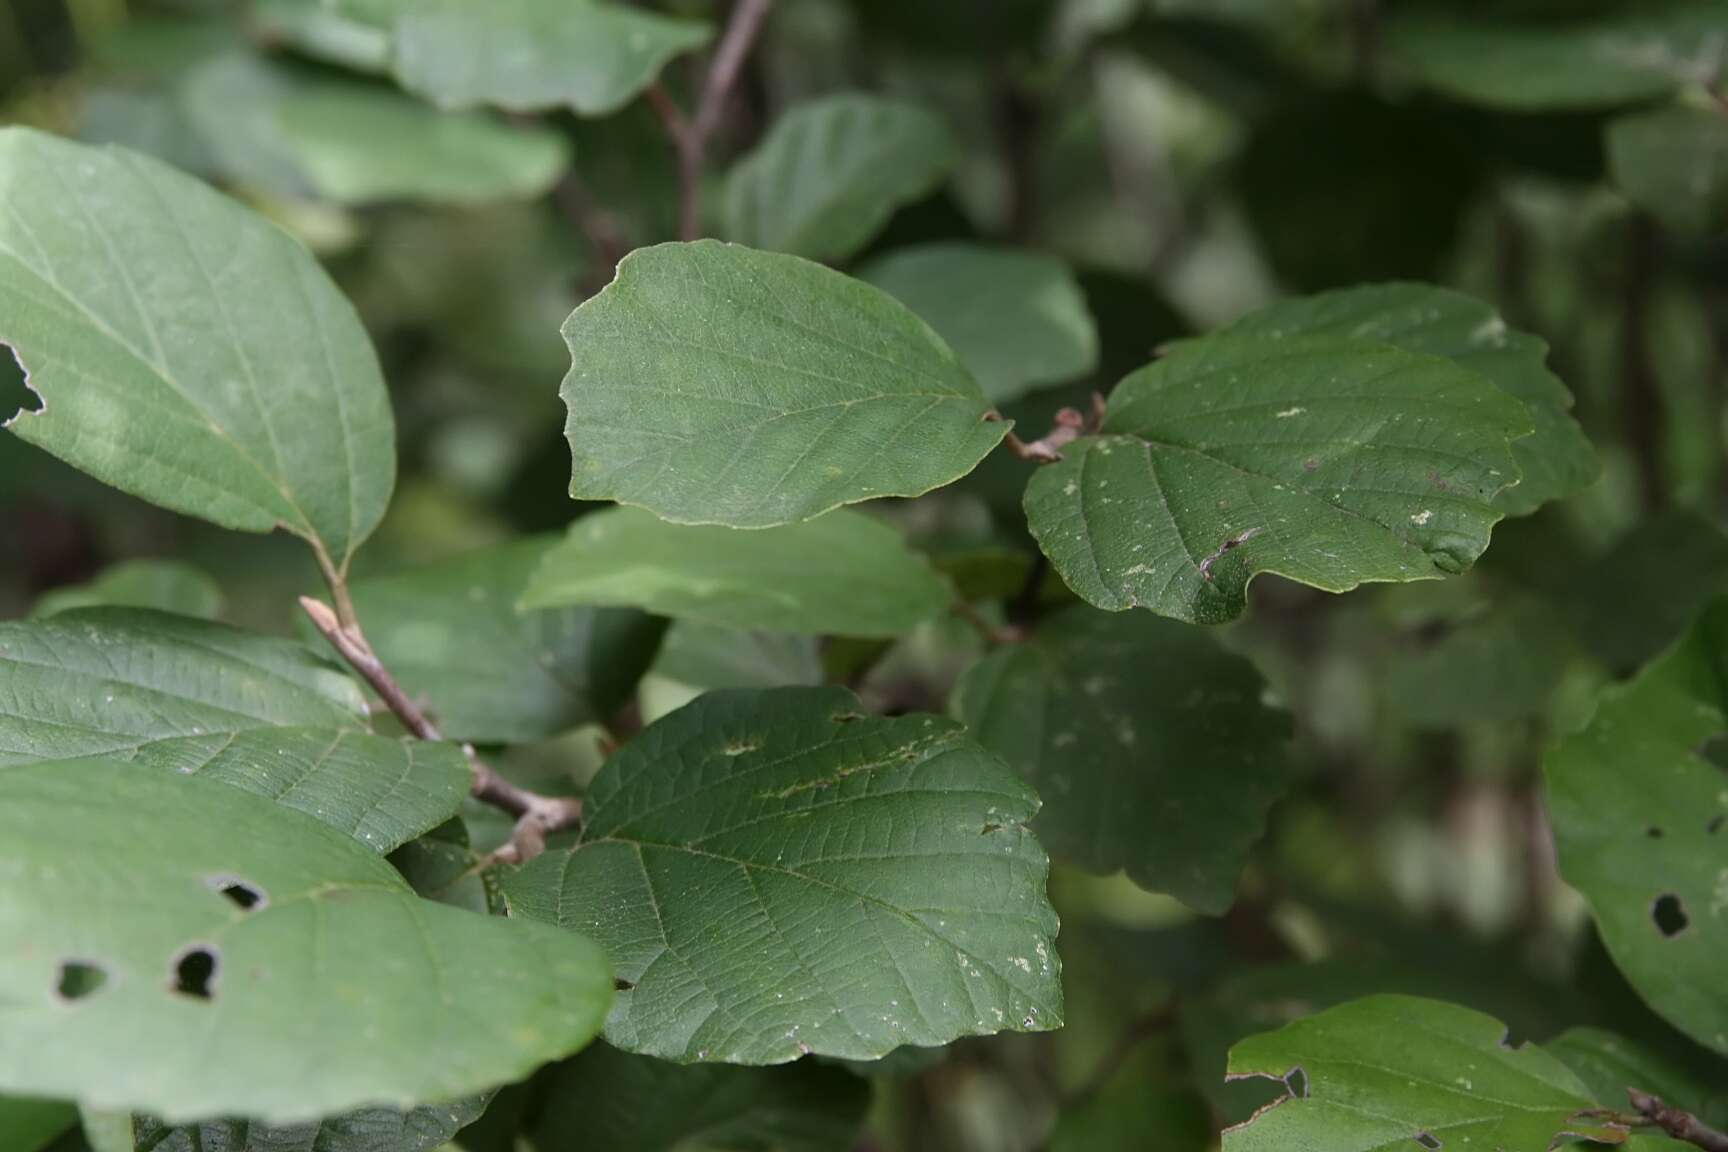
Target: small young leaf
<point x="165" y="585"/>
<point x="1622" y="54"/>
<point x="1640" y="820"/>
<point x="608" y="1099"/>
<point x="706" y="656"/>
<point x="1554" y="461"/>
<point x="1016" y="319"/>
<point x="1673" y="162"/>
<point x="185" y="350"/>
<point x="99" y="680"/>
<point x="451" y="635"/>
<point x="1147" y="741"/>
<point x="774" y="874"/>
<point x="369" y="1130"/>
<point x="831" y="173"/>
<point x="527" y="55"/>
<point x="1330" y="462"/>
<point x="844" y="573"/>
<point x="380" y="791"/>
<point x="712" y="384"/>
<point x="1394" y="1073"/>
<point x="143" y="985"/>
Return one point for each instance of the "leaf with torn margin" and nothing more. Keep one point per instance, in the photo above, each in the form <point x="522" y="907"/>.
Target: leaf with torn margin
<point x="1640" y="820"/>
<point x="713" y="384"/>
<point x="775" y="874"/>
<point x="1330" y="462"/>
<point x="191" y="922"/>
<point x="1393" y="1073"/>
<point x="186" y="350"/>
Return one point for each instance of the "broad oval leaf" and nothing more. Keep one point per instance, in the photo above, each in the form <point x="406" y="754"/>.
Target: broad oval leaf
<point x="380" y="791"/>
<point x="713" y="384"/>
<point x="1016" y="319"/>
<point x="369" y="1130"/>
<point x="844" y="573"/>
<point x="1330" y="462"/>
<point x="1673" y="163"/>
<point x="1555" y="460"/>
<point x="1640" y="820"/>
<point x="1147" y="741"/>
<point x="609" y="1099"/>
<point x="451" y="635"/>
<point x="165" y="585"/>
<point x="528" y="55"/>
<point x="1623" y="54"/>
<point x="832" y="171"/>
<point x="1395" y="1073"/>
<point x="186" y="350"/>
<point x="112" y="979"/>
<point x="774" y="874"/>
<point x="100" y="680"/>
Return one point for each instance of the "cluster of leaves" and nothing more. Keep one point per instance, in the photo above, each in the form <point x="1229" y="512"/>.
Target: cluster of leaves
<point x="915" y="530"/>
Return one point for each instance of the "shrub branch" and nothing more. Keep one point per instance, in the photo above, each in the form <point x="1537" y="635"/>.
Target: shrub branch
<point x="1682" y="1126"/>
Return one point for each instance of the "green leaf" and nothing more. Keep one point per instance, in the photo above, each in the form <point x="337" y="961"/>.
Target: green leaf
<point x="607" y="1099"/>
<point x="1397" y="1073"/>
<point x="451" y="635"/>
<point x="320" y="31"/>
<point x="1554" y="461"/>
<point x="1623" y="54"/>
<point x="774" y="874"/>
<point x="1640" y="820"/>
<point x="369" y="1130"/>
<point x="360" y="145"/>
<point x="1134" y="1109"/>
<point x="380" y="791"/>
<point x="1330" y="462"/>
<point x="185" y="350"/>
<point x="1016" y="319"/>
<point x="1610" y="1064"/>
<point x="1644" y="593"/>
<point x="1497" y="667"/>
<point x="31" y="1125"/>
<point x="165" y="585"/>
<point x="1147" y="741"/>
<point x="712" y="384"/>
<point x="710" y="656"/>
<point x="233" y="104"/>
<point x="203" y="969"/>
<point x="832" y="171"/>
<point x="844" y="573"/>
<point x="528" y="55"/>
<point x="1673" y="162"/>
<point x="99" y="680"/>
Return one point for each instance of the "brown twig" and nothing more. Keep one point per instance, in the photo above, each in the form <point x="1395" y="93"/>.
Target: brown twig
<point x="605" y="238"/>
<point x="691" y="134"/>
<point x="536" y="816"/>
<point x="1682" y="1126"/>
<point x="993" y="635"/>
<point x="1068" y="425"/>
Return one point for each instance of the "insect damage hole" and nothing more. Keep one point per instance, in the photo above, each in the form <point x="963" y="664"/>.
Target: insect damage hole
<point x="79" y="978"/>
<point x="1296" y="1081"/>
<point x="1429" y="1141"/>
<point x="194" y="972"/>
<point x="1669" y="914"/>
<point x="244" y="896"/>
<point x="17" y="397"/>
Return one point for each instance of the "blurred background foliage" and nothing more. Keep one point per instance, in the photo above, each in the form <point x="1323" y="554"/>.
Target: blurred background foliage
<point x="1190" y="160"/>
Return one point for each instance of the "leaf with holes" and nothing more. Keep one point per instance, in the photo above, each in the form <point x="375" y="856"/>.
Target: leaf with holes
<point x="98" y="680"/>
<point x="1330" y="462"/>
<point x="451" y="635"/>
<point x="527" y="55"/>
<point x="774" y="874"/>
<point x="712" y="384"/>
<point x="380" y="791"/>
<point x="369" y="1130"/>
<point x="1640" y="819"/>
<point x="1016" y="319"/>
<point x="1554" y="461"/>
<point x="186" y="350"/>
<point x="176" y="978"/>
<point x="608" y="1099"/>
<point x="165" y="585"/>
<point x="1396" y="1073"/>
<point x="832" y="171"/>
<point x="1147" y="741"/>
<point x="1673" y="163"/>
<point x="1621" y="54"/>
<point x="841" y="574"/>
